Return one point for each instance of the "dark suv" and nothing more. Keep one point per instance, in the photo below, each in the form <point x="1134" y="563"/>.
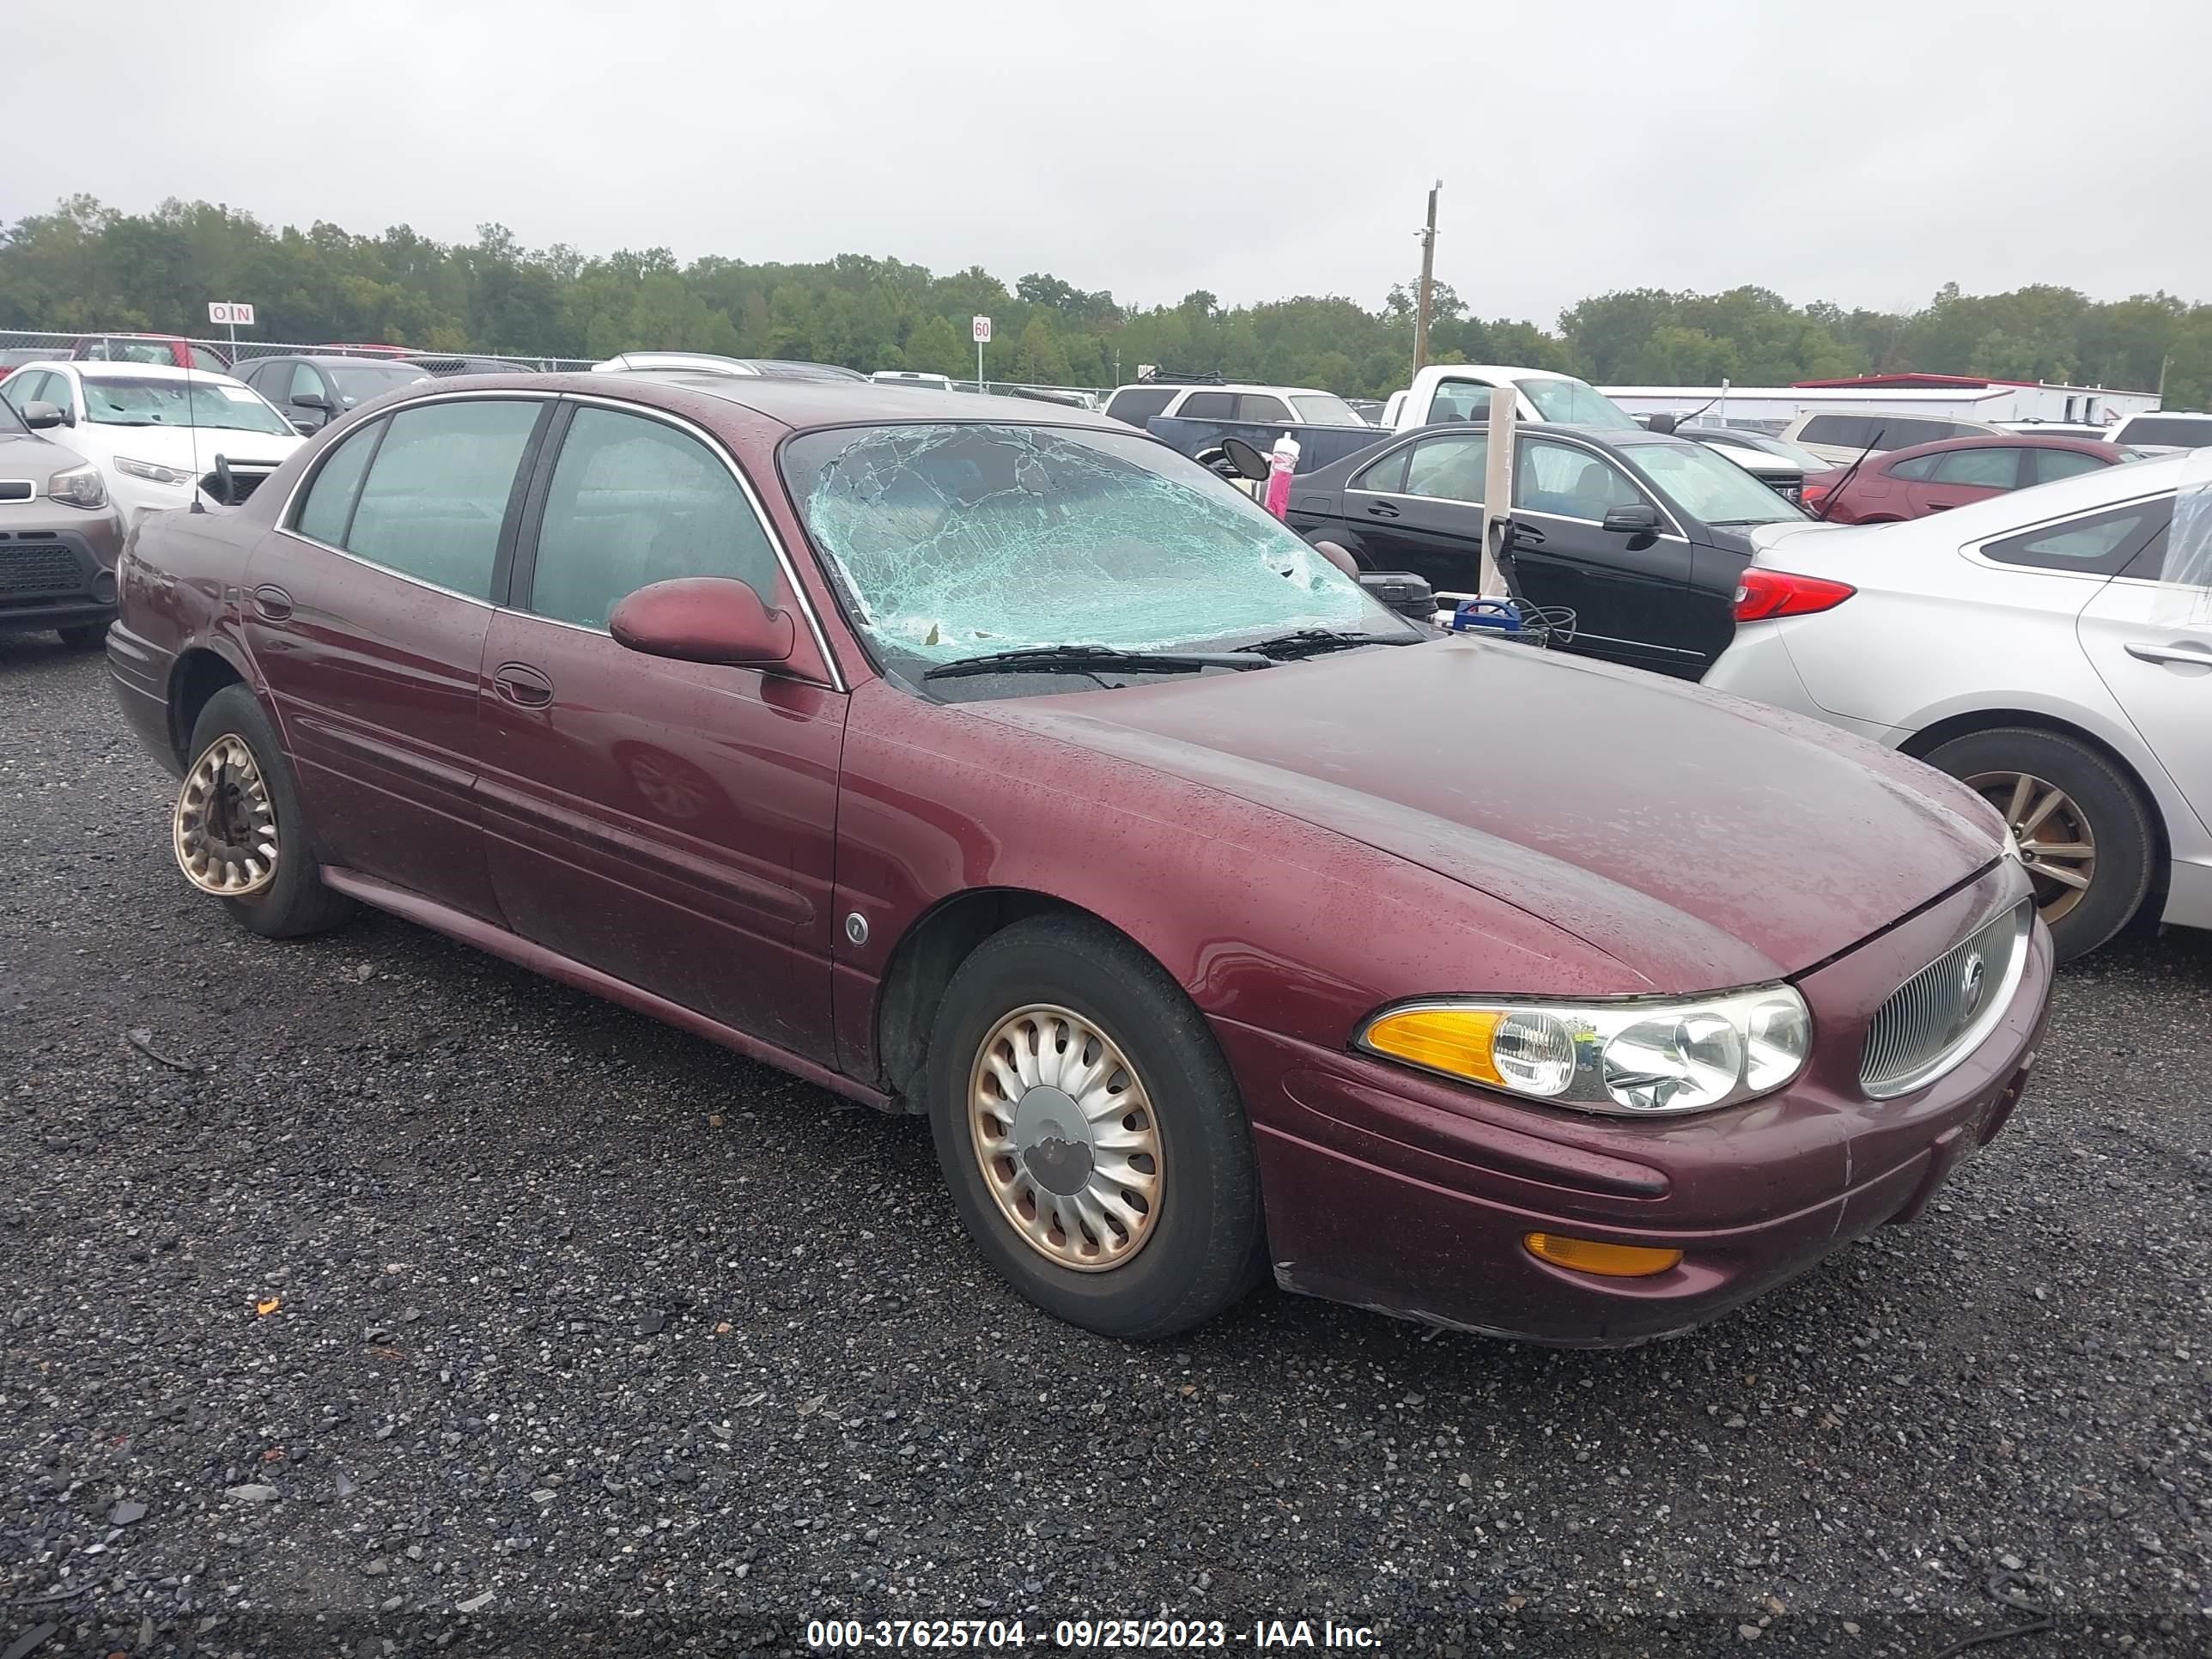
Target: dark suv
<point x="313" y="390"/>
<point x="59" y="534"/>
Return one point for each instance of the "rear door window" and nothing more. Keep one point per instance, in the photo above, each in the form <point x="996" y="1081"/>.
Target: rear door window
<point x="437" y="493"/>
<point x="1915" y="469"/>
<point x="1453" y="467"/>
<point x="1979" y="469"/>
<point x="635" y="501"/>
<point x="1138" y="405"/>
<point x="326" y="511"/>
<point x="1460" y="400"/>
<point x="1209" y="406"/>
<point x="1386" y="476"/>
<point x="1857" y="431"/>
<point x="1261" y="406"/>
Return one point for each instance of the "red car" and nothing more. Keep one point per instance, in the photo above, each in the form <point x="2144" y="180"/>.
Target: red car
<point x="992" y="760"/>
<point x="149" y="349"/>
<point x="1910" y="483"/>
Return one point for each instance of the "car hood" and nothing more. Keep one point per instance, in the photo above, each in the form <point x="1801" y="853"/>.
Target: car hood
<point x="35" y="457"/>
<point x="1701" y="840"/>
<point x="178" y="445"/>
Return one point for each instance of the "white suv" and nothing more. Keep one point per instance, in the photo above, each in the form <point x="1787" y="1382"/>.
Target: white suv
<point x="1843" y="435"/>
<point x="1284" y="405"/>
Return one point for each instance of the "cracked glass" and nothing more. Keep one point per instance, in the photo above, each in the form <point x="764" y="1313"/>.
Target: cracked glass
<point x="950" y="541"/>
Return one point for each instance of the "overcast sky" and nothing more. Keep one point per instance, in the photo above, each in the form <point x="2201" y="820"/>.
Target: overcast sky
<point x="1858" y="150"/>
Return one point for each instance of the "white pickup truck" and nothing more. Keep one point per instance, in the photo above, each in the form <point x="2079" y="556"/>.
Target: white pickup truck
<point x="1446" y="392"/>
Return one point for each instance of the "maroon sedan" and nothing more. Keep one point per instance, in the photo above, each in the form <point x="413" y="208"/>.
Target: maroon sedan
<point x="995" y="763"/>
<point x="1910" y="483"/>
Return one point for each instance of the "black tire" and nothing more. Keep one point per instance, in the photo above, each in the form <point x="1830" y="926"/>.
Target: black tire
<point x="84" y="636"/>
<point x="2126" y="839"/>
<point x="1205" y="1249"/>
<point x="296" y="903"/>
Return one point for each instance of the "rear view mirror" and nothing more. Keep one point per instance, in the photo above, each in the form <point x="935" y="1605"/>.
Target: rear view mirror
<point x="1248" y="462"/>
<point x="713" y="619"/>
<point x="39" y="414"/>
<point x="1640" y="519"/>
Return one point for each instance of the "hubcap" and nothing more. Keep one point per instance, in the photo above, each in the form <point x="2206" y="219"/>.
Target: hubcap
<point x="2057" y="844"/>
<point x="1064" y="1133"/>
<point x="225" y="827"/>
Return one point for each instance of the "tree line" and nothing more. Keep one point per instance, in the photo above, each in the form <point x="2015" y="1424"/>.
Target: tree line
<point x="85" y="267"/>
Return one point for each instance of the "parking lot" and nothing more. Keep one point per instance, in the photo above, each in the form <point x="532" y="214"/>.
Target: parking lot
<point x="379" y="1293"/>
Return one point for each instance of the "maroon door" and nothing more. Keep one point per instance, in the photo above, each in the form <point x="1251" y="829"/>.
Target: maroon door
<point x="1953" y="478"/>
<point x="381" y="643"/>
<point x="670" y="823"/>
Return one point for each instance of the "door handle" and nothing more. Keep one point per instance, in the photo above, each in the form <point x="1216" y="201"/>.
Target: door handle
<point x="2186" y="655"/>
<point x="272" y="604"/>
<point x="1940" y="507"/>
<point x="522" y="685"/>
<point x="1524" y="535"/>
<point x="1382" y="509"/>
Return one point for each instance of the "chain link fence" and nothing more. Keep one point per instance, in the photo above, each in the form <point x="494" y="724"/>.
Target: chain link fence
<point x="219" y="356"/>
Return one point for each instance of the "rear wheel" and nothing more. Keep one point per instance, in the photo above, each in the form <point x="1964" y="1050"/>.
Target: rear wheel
<point x="238" y="831"/>
<point x="1091" y="1132"/>
<point x="2084" y="832"/>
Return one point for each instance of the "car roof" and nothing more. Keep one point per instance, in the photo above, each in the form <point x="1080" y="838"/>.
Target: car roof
<point x="98" y="368"/>
<point x="2002" y="440"/>
<point x="2083" y="493"/>
<point x="805" y="404"/>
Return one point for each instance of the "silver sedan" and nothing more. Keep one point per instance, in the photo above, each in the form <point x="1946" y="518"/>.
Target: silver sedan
<point x="2052" y="647"/>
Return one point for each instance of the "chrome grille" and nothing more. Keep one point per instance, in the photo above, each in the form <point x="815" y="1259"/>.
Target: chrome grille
<point x="1935" y="1019"/>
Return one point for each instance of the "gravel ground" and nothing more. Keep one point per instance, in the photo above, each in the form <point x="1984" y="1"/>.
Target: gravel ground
<point x="443" y="1308"/>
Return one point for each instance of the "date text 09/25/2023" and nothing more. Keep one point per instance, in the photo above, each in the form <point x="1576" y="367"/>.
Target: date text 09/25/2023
<point x="1078" y="1634"/>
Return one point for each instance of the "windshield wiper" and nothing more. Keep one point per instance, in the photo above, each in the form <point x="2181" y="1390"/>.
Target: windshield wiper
<point x="1311" y="641"/>
<point x="1043" y="659"/>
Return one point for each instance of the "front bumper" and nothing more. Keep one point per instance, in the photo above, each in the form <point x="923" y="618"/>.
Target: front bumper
<point x="1410" y="1195"/>
<point x="58" y="572"/>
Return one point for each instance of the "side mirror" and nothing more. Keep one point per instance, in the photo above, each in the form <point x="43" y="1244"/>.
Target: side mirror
<point x="1248" y="462"/>
<point x="39" y="414"/>
<point x="312" y="400"/>
<point x="1640" y="519"/>
<point x="714" y="619"/>
<point x="1661" y="424"/>
<point x="306" y="428"/>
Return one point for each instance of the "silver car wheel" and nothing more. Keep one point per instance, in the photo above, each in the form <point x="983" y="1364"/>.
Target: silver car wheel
<point x="1064" y="1135"/>
<point x="224" y="829"/>
<point x="2057" y="844"/>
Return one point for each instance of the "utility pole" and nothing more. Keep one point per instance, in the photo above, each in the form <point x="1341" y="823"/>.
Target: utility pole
<point x="1428" y="284"/>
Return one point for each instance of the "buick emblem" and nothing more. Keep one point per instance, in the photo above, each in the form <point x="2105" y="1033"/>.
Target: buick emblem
<point x="1973" y="975"/>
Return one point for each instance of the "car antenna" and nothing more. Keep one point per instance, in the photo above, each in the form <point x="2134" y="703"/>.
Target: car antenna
<point x="192" y="421"/>
<point x="1850" y="472"/>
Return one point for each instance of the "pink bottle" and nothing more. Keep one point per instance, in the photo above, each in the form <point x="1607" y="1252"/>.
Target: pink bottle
<point x="1282" y="461"/>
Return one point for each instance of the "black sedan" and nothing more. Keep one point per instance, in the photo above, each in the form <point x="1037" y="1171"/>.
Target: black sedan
<point x="1641" y="535"/>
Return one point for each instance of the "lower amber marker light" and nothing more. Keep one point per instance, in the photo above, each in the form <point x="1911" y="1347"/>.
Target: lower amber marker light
<point x="1589" y="1255"/>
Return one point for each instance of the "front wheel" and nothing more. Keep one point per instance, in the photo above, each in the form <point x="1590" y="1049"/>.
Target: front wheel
<point x="2084" y="833"/>
<point x="1091" y="1132"/>
<point x="84" y="636"/>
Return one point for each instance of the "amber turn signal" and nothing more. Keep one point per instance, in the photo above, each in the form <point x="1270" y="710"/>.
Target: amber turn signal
<point x="1589" y="1255"/>
<point x="1452" y="1040"/>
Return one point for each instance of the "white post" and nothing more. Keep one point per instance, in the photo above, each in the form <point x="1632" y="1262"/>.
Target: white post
<point x="1498" y="487"/>
<point x="1721" y="419"/>
<point x="979" y="366"/>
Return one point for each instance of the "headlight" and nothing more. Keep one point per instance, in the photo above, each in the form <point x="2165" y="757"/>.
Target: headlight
<point x="1635" y="1059"/>
<point x="81" y="486"/>
<point x="153" y="472"/>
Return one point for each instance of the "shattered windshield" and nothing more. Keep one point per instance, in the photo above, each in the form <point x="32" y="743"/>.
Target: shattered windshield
<point x="952" y="541"/>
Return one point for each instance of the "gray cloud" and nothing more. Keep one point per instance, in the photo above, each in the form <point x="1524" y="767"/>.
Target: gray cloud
<point x="1864" y="152"/>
